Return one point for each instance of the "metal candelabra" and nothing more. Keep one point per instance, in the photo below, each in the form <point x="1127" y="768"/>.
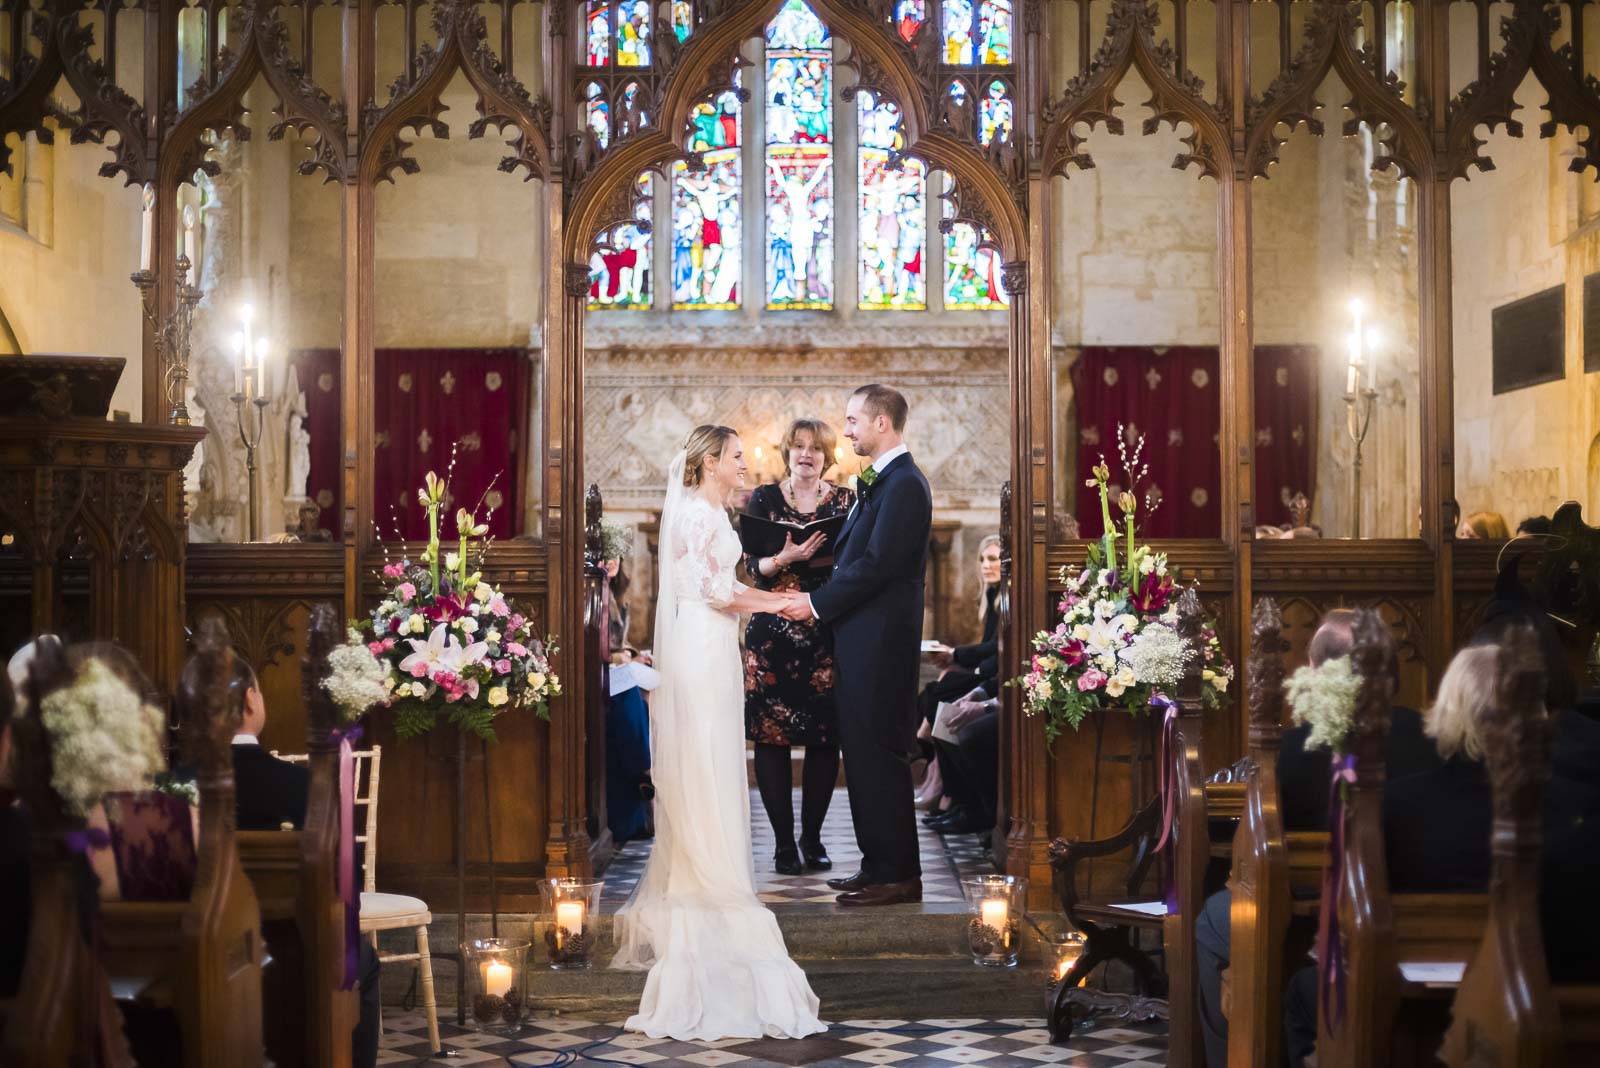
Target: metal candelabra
<point x="251" y="394"/>
<point x="172" y="335"/>
<point x="1358" y="405"/>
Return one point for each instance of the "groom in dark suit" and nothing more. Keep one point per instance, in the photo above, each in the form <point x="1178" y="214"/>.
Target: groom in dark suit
<point x="872" y="604"/>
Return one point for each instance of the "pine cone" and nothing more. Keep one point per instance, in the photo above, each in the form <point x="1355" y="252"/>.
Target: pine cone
<point x="486" y="1007"/>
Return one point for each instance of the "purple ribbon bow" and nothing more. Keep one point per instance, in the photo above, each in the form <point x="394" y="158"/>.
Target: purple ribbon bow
<point x="86" y="839"/>
<point x="347" y="854"/>
<point x="1330" y="954"/>
<point x="1168" y="787"/>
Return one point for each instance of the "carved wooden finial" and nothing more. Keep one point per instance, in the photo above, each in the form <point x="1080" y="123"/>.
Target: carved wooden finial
<point x="593" y="535"/>
<point x="1005" y="531"/>
<point x="1516" y="740"/>
<point x="322" y="712"/>
<point x="1267" y="648"/>
<point x="1372" y="656"/>
<point x="1191" y="620"/>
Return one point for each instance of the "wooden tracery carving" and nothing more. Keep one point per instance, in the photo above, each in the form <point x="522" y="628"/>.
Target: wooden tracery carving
<point x="1176" y="96"/>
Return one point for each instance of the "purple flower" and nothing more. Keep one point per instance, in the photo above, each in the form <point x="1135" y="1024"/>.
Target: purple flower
<point x="502" y="667"/>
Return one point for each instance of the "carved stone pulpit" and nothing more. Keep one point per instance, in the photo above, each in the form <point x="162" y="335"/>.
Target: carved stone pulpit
<point x="92" y="522"/>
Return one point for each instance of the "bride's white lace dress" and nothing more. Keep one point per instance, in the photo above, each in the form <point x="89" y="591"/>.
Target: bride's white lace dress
<point x="717" y="960"/>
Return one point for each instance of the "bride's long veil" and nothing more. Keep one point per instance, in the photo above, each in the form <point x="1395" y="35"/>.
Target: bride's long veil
<point x="632" y="930"/>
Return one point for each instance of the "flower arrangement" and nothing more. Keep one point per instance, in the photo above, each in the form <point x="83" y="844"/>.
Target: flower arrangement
<point x="104" y="738"/>
<point x="445" y="640"/>
<point x="616" y="540"/>
<point x="1325" y="697"/>
<point x="1116" y="644"/>
<point x="357" y="679"/>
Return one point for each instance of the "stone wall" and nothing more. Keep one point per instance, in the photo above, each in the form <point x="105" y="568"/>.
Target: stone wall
<point x="1526" y="226"/>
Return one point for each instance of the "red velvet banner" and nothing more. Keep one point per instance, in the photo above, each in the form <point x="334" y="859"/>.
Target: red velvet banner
<point x="1170" y="394"/>
<point x="428" y="402"/>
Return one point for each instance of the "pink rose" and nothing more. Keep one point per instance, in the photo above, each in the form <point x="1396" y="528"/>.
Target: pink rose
<point x="375" y="648"/>
<point x="406" y="591"/>
<point x="516" y="649"/>
<point x="388" y="643"/>
<point x="516" y="621"/>
<point x="1092" y="679"/>
<point x="502" y="667"/>
<point x="393" y="571"/>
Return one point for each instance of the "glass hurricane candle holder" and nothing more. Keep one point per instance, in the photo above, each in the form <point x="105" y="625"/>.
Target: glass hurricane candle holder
<point x="571" y="906"/>
<point x="497" y="983"/>
<point x="997" y="904"/>
<point x="1061" y="952"/>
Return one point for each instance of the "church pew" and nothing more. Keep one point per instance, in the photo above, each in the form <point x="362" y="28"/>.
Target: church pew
<point x="1276" y="873"/>
<point x="200" y="957"/>
<point x="62" y="1013"/>
<point x="1387" y="1019"/>
<point x="308" y="1019"/>
<point x="1507" y="1011"/>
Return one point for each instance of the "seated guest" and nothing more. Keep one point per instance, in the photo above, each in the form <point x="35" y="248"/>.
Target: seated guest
<point x="968" y="742"/>
<point x="1484" y="526"/>
<point x="963" y="668"/>
<point x="269" y="793"/>
<point x="1303" y="781"/>
<point x="1536" y="525"/>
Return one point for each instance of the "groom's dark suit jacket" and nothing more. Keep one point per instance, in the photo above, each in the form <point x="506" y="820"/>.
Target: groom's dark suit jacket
<point x="872" y="603"/>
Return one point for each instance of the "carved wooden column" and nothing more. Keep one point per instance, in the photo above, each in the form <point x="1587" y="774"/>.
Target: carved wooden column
<point x="1022" y="742"/>
<point x="160" y="90"/>
<point x="358" y="324"/>
<point x="1440" y="512"/>
<point x="1235" y="318"/>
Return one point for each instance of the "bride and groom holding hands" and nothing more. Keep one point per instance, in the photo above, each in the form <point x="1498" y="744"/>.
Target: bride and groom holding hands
<point x="718" y="964"/>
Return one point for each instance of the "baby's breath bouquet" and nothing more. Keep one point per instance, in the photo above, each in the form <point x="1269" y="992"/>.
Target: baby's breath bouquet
<point x="1325" y="698"/>
<point x="446" y="641"/>
<point x="104" y="738"/>
<point x="1117" y="644"/>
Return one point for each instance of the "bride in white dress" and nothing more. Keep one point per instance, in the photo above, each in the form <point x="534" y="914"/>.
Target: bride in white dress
<point x="718" y="964"/>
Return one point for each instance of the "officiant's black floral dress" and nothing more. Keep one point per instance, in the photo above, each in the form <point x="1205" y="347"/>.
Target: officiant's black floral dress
<point x="788" y="667"/>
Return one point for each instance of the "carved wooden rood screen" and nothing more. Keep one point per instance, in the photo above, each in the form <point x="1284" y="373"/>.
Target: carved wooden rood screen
<point x="156" y="83"/>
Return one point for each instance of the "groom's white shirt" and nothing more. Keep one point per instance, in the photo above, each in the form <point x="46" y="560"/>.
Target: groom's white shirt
<point x="880" y="465"/>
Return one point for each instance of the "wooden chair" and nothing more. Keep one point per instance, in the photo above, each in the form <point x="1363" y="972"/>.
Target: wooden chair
<point x="1276" y="873"/>
<point x="1507" y="1012"/>
<point x="295" y="875"/>
<point x="1388" y="1019"/>
<point x="1110" y="929"/>
<point x="63" y="1013"/>
<point x="200" y="957"/>
<point x="388" y="912"/>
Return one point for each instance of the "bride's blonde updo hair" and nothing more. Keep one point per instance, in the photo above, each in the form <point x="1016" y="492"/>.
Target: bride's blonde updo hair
<point x="703" y="442"/>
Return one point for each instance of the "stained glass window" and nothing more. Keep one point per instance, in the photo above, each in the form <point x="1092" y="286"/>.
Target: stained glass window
<point x="598" y="113"/>
<point x="994" y="31"/>
<point x="633" y="34"/>
<point x="909" y="15"/>
<point x="598" y="38"/>
<point x="619" y="277"/>
<point x="971" y="274"/>
<point x="799" y="160"/>
<point x="705" y="211"/>
<point x="682" y="19"/>
<point x="994" y="114"/>
<point x="958" y="32"/>
<point x="892" y="219"/>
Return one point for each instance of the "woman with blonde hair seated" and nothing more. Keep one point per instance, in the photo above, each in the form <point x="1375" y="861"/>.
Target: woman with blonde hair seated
<point x="1484" y="526"/>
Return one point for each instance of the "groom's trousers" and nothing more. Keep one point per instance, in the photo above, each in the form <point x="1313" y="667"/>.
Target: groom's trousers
<point x="877" y="774"/>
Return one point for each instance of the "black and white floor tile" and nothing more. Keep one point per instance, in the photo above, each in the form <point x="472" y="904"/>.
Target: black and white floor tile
<point x="944" y="861"/>
<point x="847" y="1044"/>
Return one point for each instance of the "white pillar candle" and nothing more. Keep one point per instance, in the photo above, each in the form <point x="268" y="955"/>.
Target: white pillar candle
<point x="188" y="232"/>
<point x="569" y="919"/>
<point x="995" y="913"/>
<point x="496" y="979"/>
<point x="147" y="233"/>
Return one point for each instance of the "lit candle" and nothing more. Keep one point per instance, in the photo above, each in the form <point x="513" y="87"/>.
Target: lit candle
<point x="496" y="979"/>
<point x="147" y="234"/>
<point x="188" y="232"/>
<point x="1063" y="968"/>
<point x="569" y="920"/>
<point x="1352" y="380"/>
<point x="995" y="913"/>
<point x="1373" y="337"/>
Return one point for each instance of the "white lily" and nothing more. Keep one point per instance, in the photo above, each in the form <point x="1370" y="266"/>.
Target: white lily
<point x="442" y="651"/>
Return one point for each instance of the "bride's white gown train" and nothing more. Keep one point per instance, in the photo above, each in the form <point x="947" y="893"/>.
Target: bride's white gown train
<point x="718" y="964"/>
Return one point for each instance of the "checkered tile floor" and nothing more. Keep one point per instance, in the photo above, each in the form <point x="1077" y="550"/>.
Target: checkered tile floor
<point x="847" y="1044"/>
<point x="944" y="861"/>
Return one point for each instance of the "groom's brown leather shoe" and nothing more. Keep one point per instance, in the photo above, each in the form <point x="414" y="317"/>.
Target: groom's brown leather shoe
<point x="849" y="882"/>
<point x="903" y="893"/>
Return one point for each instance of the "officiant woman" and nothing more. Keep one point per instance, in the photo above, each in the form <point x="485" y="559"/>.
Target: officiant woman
<point x="788" y="666"/>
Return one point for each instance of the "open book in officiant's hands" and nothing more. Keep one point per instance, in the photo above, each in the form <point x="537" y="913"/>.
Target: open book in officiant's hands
<point x="765" y="537"/>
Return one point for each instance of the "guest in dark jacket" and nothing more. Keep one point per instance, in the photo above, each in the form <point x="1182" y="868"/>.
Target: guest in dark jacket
<point x="271" y="793"/>
<point x="1303" y="797"/>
